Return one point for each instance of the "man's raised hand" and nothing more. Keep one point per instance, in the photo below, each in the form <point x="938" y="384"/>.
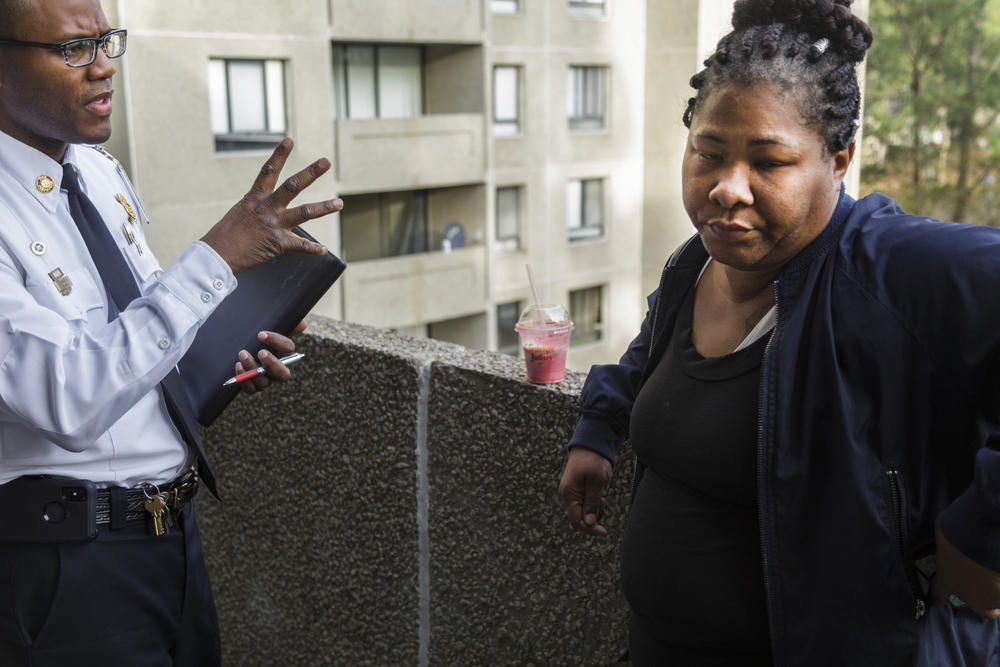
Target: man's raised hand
<point x="258" y="227"/>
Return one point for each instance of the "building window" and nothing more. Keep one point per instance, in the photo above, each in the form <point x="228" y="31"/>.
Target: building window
<point x="247" y="103"/>
<point x="585" y="209"/>
<point x="504" y="6"/>
<point x="378" y="81"/>
<point x="587" y="7"/>
<point x="586" y="95"/>
<point x="506" y="100"/>
<point x="509" y="218"/>
<point x="384" y="225"/>
<point x="585" y="309"/>
<point x="508" y="340"/>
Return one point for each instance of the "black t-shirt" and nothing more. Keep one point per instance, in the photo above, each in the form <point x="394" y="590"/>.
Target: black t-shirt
<point x="691" y="559"/>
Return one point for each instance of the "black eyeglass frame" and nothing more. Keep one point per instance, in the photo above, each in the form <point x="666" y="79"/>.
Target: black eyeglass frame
<point x="93" y="41"/>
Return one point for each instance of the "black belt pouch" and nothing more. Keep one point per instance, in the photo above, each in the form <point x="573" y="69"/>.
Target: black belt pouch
<point x="48" y="509"/>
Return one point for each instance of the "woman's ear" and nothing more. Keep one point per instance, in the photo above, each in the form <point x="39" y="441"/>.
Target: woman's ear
<point x="842" y="160"/>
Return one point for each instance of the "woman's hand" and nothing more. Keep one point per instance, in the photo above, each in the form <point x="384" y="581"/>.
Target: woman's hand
<point x="584" y="489"/>
<point x="276" y="371"/>
<point x="959" y="575"/>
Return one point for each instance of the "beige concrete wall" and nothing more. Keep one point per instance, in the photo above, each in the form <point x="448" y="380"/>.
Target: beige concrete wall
<point x="453" y="80"/>
<point x="250" y="17"/>
<point x="447" y="21"/>
<point x="671" y="59"/>
<point x="377" y="155"/>
<point x="415" y="289"/>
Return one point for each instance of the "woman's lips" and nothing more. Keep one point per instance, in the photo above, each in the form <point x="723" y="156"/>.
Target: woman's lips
<point x="101" y="105"/>
<point x="729" y="231"/>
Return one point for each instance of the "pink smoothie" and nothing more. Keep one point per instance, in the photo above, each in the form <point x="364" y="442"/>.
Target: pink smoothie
<point x="545" y="363"/>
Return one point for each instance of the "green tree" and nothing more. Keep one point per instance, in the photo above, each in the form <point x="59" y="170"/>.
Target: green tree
<point x="932" y="134"/>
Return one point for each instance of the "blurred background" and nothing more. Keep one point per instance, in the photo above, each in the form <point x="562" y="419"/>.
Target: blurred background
<point x="472" y="137"/>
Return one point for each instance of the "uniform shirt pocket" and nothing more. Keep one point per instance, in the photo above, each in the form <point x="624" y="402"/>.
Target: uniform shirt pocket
<point x="67" y="289"/>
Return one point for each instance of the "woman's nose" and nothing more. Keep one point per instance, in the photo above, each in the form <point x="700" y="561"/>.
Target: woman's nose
<point x="732" y="188"/>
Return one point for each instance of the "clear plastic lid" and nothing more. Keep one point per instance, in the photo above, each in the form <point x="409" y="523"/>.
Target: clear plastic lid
<point x="544" y="316"/>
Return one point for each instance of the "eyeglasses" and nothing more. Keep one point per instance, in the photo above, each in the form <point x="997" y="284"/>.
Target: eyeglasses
<point x="82" y="52"/>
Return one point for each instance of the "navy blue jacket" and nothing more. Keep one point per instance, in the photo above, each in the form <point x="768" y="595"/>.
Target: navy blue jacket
<point x="878" y="414"/>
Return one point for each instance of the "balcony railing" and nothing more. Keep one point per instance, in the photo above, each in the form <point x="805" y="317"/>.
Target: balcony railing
<point x="395" y="505"/>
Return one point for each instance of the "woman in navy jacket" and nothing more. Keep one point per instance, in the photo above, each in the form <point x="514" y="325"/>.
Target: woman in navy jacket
<point x="813" y="396"/>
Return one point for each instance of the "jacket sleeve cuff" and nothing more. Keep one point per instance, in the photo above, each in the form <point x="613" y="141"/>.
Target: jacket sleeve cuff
<point x="974" y="529"/>
<point x="596" y="435"/>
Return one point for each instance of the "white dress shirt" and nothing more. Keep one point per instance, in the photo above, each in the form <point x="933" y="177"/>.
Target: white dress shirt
<point x="79" y="395"/>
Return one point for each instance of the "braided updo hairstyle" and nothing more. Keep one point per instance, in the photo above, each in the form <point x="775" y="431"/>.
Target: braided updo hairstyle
<point x="807" y="47"/>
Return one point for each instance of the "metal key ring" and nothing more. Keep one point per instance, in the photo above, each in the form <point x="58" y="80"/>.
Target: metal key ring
<point x="146" y="485"/>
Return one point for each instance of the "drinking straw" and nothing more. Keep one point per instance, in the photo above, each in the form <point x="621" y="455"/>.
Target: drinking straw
<point x="534" y="293"/>
<point x="531" y="281"/>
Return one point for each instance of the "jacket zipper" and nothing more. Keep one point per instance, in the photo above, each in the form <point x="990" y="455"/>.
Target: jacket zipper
<point x="898" y="501"/>
<point x="760" y="471"/>
<point x="649" y="355"/>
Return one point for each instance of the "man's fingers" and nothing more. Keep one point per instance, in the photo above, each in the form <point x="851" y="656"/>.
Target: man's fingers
<point x="244" y="364"/>
<point x="268" y="176"/>
<point x="296" y="215"/>
<point x="298" y="182"/>
<point x="281" y="345"/>
<point x="275" y="369"/>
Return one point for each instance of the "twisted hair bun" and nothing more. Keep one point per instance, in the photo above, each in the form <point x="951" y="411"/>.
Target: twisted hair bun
<point x="830" y="19"/>
<point x="811" y="47"/>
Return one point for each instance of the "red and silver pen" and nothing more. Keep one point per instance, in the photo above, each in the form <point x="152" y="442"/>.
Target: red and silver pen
<point x="260" y="370"/>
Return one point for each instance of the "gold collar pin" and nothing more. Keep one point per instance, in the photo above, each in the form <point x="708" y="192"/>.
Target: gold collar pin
<point x="44" y="183"/>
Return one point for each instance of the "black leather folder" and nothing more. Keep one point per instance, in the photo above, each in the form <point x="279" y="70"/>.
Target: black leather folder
<point x="273" y="296"/>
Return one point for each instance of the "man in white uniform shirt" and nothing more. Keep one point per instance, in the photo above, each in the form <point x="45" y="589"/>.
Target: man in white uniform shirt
<point x="85" y="375"/>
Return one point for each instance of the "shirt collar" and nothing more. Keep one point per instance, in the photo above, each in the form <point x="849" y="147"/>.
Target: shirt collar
<point x="37" y="173"/>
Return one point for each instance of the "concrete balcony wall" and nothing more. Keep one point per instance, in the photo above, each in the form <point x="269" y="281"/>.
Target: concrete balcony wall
<point x="412" y="21"/>
<point x="247" y="16"/>
<point x="396" y="505"/>
<point x="409" y="153"/>
<point x="414" y="289"/>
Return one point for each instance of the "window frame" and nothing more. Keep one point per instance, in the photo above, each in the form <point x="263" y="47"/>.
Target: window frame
<point x="579" y="116"/>
<point x="264" y="139"/>
<point x="509" y="243"/>
<point x="495" y="3"/>
<point x="515" y="124"/>
<point x="588" y="8"/>
<point x="341" y="81"/>
<point x="583" y="231"/>
<point x="595" y="335"/>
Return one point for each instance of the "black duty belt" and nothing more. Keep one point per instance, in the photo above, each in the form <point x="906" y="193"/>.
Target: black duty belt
<point x="117" y="506"/>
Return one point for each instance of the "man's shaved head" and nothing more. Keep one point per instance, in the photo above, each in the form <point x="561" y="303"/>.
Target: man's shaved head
<point x="11" y="11"/>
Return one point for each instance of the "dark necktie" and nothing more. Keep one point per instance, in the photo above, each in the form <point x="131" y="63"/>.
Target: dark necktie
<point x="122" y="289"/>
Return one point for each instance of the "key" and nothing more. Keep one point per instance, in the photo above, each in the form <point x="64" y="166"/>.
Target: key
<point x="155" y="506"/>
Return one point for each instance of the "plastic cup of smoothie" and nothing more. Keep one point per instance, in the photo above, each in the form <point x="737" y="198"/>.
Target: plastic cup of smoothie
<point x="544" y="330"/>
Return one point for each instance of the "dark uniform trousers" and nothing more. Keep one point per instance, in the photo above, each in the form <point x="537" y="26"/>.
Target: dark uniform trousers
<point x="126" y="598"/>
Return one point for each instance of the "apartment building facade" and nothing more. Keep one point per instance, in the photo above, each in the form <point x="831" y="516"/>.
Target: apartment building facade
<point x="468" y="137"/>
